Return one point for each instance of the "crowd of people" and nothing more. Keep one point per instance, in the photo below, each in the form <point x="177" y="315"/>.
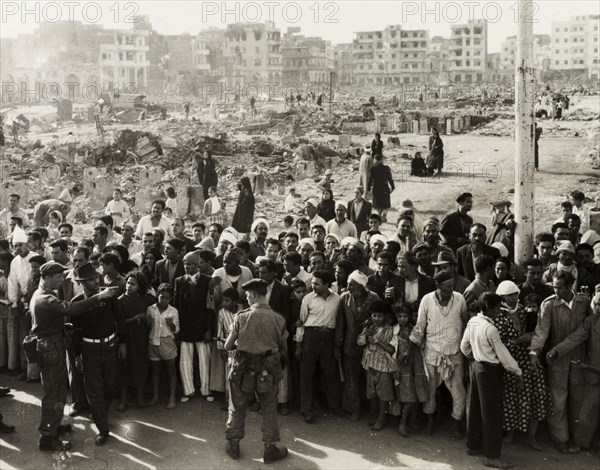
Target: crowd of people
<point x="359" y="315"/>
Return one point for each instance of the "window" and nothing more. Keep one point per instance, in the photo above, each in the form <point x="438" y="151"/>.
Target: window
<point x="258" y="62"/>
<point x="468" y="63"/>
<point x="104" y="56"/>
<point x="393" y="66"/>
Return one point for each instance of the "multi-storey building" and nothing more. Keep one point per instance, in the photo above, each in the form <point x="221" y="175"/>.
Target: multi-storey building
<point x="255" y="52"/>
<point x="575" y="44"/>
<point x="468" y="51"/>
<point x="439" y="59"/>
<point x="391" y="56"/>
<point x="541" y="52"/>
<point x="343" y="63"/>
<point x="123" y="61"/>
<point x="306" y="59"/>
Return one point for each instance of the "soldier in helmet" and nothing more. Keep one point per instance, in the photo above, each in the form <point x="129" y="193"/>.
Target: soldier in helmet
<point x="258" y="336"/>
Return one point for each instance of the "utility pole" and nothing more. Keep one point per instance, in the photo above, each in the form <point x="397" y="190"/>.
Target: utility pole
<point x="524" y="134"/>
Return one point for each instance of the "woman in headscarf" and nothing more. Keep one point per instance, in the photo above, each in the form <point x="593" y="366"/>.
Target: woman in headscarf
<point x="214" y="208"/>
<point x="244" y="212"/>
<point x="435" y="159"/>
<point x="326" y="207"/>
<point x="55" y="219"/>
<point x="207" y="174"/>
<point x="523" y="408"/>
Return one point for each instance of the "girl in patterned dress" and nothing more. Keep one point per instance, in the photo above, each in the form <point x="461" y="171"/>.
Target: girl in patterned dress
<point x="410" y="381"/>
<point x="523" y="408"/>
<point x="378" y="362"/>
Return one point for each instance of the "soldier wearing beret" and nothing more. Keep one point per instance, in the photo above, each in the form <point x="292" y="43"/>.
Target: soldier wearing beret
<point x="258" y="336"/>
<point x="47" y="314"/>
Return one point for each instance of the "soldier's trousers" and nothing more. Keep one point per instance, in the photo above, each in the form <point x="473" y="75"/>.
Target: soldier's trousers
<point x="238" y="406"/>
<point x="51" y="352"/>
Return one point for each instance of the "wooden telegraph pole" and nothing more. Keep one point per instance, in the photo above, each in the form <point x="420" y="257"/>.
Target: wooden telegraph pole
<point x="524" y="134"/>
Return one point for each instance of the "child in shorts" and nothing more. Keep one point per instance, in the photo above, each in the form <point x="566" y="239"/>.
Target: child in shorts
<point x="230" y="306"/>
<point x="163" y="319"/>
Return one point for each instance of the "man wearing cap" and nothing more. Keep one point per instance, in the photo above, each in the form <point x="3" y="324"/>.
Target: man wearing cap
<point x="431" y="238"/>
<point x="468" y="254"/>
<point x="258" y="336"/>
<point x="47" y="313"/>
<point x="446" y="262"/>
<point x="455" y="226"/>
<point x="18" y="280"/>
<point x="439" y="329"/>
<point x="103" y="343"/>
<point x="311" y="206"/>
<point x="412" y="286"/>
<point x="170" y="268"/>
<point x="355" y="310"/>
<point x="227" y="240"/>
<point x="193" y="300"/>
<point x="341" y="226"/>
<point x="354" y="251"/>
<point x="325" y="183"/>
<point x="566" y="262"/>
<point x="260" y="228"/>
<point x="359" y="210"/>
<point x="560" y="315"/>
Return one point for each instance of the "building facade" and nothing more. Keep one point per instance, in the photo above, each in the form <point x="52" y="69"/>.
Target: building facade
<point x="575" y="44"/>
<point x="390" y="56"/>
<point x="468" y="51"/>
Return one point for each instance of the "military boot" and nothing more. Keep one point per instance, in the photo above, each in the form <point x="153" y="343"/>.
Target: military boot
<point x="233" y="448"/>
<point x="273" y="453"/>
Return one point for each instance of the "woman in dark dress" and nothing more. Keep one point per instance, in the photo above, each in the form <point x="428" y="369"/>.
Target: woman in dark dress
<point x="244" y="212"/>
<point x="133" y="370"/>
<point x="381" y="184"/>
<point x="435" y="159"/>
<point x="207" y="174"/>
<point x="326" y="208"/>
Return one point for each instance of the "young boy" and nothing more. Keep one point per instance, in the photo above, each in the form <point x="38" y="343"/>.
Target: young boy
<point x="164" y="325"/>
<point x="378" y="362"/>
<point x="230" y="306"/>
<point x="290" y="201"/>
<point x="288" y="222"/>
<point x="299" y="291"/>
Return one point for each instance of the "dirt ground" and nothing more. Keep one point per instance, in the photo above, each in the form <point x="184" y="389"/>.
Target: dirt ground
<point x="193" y="436"/>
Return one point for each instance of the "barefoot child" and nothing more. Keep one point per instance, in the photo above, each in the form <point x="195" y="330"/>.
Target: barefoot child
<point x="164" y="325"/>
<point x="410" y="381"/>
<point x="229" y="309"/>
<point x="378" y="362"/>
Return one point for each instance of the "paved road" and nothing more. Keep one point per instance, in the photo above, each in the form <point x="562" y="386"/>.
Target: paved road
<point x="192" y="436"/>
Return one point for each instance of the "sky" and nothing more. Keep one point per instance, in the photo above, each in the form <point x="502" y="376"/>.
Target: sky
<point x="332" y="20"/>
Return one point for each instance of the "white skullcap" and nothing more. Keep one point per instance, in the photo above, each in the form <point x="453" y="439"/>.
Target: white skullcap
<point x="313" y="202"/>
<point x="334" y="236"/>
<point x="501" y="248"/>
<point x="228" y="237"/>
<point x="19" y="235"/>
<point x="358" y="277"/>
<point x="377" y="238"/>
<point x="259" y="221"/>
<point x="233" y="231"/>
<point x="507" y="288"/>
<point x="306" y="241"/>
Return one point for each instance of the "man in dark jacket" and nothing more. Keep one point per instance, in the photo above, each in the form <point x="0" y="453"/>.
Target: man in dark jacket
<point x="192" y="299"/>
<point x="412" y="286"/>
<point x="359" y="211"/>
<point x="455" y="226"/>
<point x="468" y="253"/>
<point x="170" y="268"/>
